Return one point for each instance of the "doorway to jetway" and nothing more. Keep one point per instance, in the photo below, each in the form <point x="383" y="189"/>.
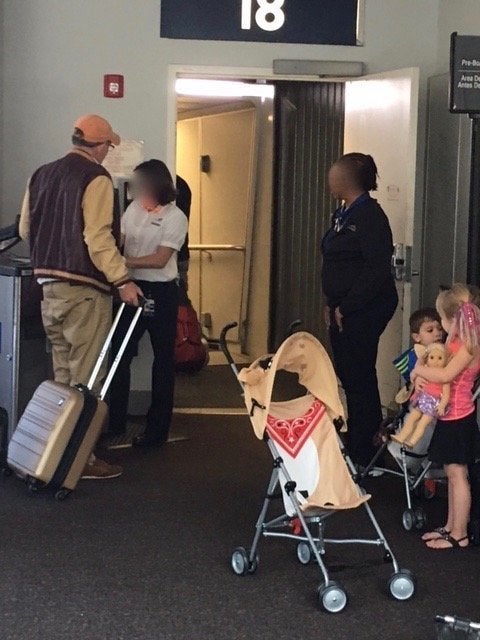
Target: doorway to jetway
<point x="314" y="121"/>
<point x="224" y="150"/>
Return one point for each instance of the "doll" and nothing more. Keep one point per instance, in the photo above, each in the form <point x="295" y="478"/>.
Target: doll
<point x="429" y="403"/>
<point x="409" y="359"/>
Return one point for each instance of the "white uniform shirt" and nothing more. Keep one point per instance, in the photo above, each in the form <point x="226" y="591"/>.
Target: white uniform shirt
<point x="145" y="232"/>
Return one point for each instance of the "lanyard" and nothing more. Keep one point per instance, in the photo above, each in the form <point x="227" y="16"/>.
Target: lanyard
<point x="340" y="218"/>
<point x="342" y="215"/>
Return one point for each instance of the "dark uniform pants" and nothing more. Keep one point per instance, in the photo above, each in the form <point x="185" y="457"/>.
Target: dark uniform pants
<point x="355" y="356"/>
<point x="162" y="327"/>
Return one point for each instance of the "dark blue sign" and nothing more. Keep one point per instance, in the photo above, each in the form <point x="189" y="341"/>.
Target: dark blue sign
<point x="465" y="74"/>
<point x="295" y="21"/>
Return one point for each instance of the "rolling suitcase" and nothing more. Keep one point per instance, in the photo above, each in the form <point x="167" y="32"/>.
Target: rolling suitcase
<point x="60" y="426"/>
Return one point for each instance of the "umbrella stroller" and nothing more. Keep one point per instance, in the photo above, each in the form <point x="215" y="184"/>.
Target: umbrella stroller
<point x="412" y="466"/>
<point x="309" y="464"/>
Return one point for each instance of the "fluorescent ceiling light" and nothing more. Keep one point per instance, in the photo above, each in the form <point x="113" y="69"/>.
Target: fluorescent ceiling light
<point x="222" y="88"/>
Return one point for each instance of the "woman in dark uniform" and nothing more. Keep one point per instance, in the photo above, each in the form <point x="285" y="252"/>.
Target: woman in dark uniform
<point x="360" y="292"/>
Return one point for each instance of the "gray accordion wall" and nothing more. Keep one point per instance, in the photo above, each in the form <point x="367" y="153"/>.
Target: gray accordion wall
<point x="309" y="129"/>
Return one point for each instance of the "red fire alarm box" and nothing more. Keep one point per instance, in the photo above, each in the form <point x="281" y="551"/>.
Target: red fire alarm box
<point x="113" y="85"/>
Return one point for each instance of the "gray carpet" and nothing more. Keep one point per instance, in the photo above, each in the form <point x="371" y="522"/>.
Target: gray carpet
<point x="146" y="556"/>
<point x="213" y="387"/>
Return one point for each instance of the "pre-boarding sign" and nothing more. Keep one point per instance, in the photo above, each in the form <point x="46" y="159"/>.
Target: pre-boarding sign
<point x="465" y="74"/>
<point x="294" y="21"/>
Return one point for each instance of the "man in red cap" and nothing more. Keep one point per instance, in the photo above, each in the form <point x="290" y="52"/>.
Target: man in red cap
<point x="74" y="235"/>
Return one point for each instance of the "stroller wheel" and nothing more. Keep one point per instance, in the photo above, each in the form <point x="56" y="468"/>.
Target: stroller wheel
<point x="241" y="564"/>
<point x="402" y="585"/>
<point x="332" y="597"/>
<point x="408" y="519"/>
<point x="253" y="565"/>
<point x="304" y="553"/>
<point x="420" y="518"/>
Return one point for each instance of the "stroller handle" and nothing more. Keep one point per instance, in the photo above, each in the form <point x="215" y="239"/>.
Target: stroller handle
<point x="292" y="327"/>
<point x="223" y="341"/>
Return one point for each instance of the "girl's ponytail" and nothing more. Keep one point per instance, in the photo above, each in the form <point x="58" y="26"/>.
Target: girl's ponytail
<point x="466" y="325"/>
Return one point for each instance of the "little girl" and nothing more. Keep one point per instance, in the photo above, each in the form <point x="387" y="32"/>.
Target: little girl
<point x="455" y="441"/>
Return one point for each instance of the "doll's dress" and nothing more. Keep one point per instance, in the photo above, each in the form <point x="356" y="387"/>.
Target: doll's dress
<point x="428" y="399"/>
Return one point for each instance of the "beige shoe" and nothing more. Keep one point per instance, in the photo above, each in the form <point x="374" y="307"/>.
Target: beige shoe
<point x="101" y="470"/>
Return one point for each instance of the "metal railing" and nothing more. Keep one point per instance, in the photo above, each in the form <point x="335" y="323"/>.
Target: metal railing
<point x="216" y="247"/>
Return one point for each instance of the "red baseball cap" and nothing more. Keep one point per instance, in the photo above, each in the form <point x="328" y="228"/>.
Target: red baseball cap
<point x="96" y="129"/>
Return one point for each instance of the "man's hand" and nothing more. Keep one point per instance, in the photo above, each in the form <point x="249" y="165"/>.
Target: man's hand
<point x="129" y="293"/>
<point x="339" y="319"/>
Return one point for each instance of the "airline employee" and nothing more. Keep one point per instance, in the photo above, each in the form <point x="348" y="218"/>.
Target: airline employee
<point x="153" y="231"/>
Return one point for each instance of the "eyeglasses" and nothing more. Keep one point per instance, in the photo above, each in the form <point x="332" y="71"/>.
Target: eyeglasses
<point x="110" y="145"/>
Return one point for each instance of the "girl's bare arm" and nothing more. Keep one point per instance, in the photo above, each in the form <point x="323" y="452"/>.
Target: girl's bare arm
<point x="460" y="361"/>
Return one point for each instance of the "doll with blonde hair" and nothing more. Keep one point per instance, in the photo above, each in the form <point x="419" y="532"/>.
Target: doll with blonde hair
<point x="455" y="441"/>
<point x="428" y="403"/>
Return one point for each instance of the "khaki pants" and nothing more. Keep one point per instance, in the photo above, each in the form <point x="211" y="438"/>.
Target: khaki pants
<point x="77" y="320"/>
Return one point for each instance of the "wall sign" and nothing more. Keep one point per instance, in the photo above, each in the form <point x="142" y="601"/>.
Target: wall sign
<point x="465" y="74"/>
<point x="121" y="161"/>
<point x="295" y="21"/>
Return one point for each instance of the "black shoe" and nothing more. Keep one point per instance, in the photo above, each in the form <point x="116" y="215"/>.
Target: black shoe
<point x="147" y="442"/>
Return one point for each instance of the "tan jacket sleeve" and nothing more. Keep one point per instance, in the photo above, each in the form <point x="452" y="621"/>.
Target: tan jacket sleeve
<point x="98" y="218"/>
<point x="24" y="224"/>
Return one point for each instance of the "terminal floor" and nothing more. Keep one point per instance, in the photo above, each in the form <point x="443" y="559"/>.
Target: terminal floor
<point x="146" y="556"/>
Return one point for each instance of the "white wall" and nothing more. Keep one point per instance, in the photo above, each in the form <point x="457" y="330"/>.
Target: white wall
<point x="1" y="94"/>
<point x="462" y="16"/>
<point x="56" y="52"/>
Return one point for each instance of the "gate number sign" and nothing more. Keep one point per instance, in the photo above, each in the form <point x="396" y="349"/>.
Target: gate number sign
<point x="294" y="21"/>
<point x="269" y="16"/>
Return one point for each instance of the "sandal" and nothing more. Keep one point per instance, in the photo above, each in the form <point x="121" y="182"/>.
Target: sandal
<point x="453" y="542"/>
<point x="437" y="533"/>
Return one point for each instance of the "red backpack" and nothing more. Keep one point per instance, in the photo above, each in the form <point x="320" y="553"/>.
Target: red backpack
<point x="191" y="349"/>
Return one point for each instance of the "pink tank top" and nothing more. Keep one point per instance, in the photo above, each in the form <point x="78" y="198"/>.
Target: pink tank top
<point x="461" y="389"/>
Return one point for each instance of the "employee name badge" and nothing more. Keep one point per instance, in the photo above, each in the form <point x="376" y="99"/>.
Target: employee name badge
<point x="149" y="308"/>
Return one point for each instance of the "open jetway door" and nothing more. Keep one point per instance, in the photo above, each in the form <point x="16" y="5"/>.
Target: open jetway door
<point x="381" y="113"/>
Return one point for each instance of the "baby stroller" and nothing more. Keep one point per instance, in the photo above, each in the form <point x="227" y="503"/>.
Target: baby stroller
<point x="453" y="628"/>
<point x="419" y="475"/>
<point x="315" y="475"/>
<point x="411" y="465"/>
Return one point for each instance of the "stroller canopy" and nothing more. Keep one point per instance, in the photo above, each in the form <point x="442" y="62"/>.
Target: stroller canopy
<point x="303" y="354"/>
<point x="303" y="428"/>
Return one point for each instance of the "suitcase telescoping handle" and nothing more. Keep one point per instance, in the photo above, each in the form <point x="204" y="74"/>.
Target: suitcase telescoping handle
<point x="106" y="346"/>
